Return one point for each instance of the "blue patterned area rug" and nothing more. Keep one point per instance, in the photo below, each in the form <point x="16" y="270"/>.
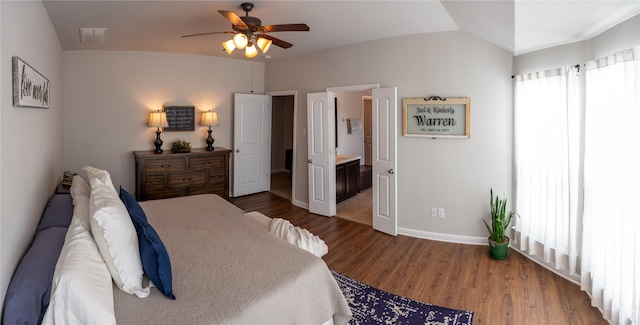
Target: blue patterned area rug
<point x="374" y="306"/>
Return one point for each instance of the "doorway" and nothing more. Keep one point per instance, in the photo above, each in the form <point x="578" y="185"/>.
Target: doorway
<point x="353" y="138"/>
<point x="322" y="160"/>
<point x="282" y="128"/>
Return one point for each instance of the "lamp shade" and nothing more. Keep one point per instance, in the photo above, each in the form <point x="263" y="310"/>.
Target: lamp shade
<point x="209" y="118"/>
<point x="251" y="51"/>
<point x="228" y="46"/>
<point x="264" y="44"/>
<point x="240" y="41"/>
<point x="158" y="119"/>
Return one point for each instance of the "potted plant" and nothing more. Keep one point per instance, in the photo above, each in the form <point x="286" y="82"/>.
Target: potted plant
<point x="500" y="221"/>
<point x="181" y="146"/>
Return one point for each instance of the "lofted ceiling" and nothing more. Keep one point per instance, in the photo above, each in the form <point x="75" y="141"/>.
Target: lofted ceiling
<point x="517" y="26"/>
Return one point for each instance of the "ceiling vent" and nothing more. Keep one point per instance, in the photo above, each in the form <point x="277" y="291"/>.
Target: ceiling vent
<point x="93" y="35"/>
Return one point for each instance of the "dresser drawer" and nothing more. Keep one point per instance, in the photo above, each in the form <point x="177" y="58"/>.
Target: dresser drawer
<point x="183" y="180"/>
<point x="203" y="163"/>
<point x="164" y="194"/>
<point x="154" y="182"/>
<point x="218" y="189"/>
<point x="216" y="176"/>
<point x="157" y="166"/>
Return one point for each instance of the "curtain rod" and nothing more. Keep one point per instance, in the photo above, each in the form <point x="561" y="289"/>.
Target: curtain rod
<point x="577" y="66"/>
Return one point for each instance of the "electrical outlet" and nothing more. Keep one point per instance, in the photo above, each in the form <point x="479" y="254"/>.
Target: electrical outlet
<point x="434" y="212"/>
<point x="441" y="213"/>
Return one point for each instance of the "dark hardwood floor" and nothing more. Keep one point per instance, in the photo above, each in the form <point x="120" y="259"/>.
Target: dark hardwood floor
<point x="513" y="291"/>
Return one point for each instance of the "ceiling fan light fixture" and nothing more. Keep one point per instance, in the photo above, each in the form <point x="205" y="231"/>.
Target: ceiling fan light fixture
<point x="240" y="41"/>
<point x="264" y="44"/>
<point x="250" y="51"/>
<point x="228" y="46"/>
<point x="249" y="34"/>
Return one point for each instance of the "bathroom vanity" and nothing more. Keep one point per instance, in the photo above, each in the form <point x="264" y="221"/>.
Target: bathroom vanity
<point x="347" y="176"/>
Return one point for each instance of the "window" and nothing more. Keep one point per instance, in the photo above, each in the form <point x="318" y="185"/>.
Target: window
<point x="578" y="178"/>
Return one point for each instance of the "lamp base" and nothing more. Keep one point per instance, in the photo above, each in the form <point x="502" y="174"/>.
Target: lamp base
<point x="158" y="143"/>
<point x="210" y="141"/>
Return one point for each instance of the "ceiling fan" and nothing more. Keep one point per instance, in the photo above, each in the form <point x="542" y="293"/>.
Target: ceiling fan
<point x="249" y="32"/>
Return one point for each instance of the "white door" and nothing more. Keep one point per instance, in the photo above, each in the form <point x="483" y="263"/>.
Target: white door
<point x="321" y="154"/>
<point x="252" y="144"/>
<point x="385" y="112"/>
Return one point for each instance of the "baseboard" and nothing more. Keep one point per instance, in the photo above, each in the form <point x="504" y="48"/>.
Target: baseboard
<point x="457" y="239"/>
<point x="300" y="204"/>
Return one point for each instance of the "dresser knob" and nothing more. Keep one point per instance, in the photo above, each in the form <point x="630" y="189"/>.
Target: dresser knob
<point x="165" y="166"/>
<point x="186" y="179"/>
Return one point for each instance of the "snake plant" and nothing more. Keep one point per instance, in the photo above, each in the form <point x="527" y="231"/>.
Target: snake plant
<point x="500" y="220"/>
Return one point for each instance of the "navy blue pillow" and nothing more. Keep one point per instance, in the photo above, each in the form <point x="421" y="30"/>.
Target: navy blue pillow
<point x="28" y="294"/>
<point x="154" y="256"/>
<point x="57" y="212"/>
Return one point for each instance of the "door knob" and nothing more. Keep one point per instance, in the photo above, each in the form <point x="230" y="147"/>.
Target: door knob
<point x="391" y="171"/>
<point x="310" y="161"/>
<point x="237" y="150"/>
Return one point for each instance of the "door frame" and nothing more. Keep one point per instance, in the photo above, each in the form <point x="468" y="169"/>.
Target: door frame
<point x="293" y="93"/>
<point x="353" y="88"/>
<point x="332" y="90"/>
<point x="368" y="97"/>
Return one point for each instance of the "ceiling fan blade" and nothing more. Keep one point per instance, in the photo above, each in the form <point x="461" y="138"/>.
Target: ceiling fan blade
<point x="277" y="41"/>
<point x="286" y="28"/>
<point x="234" y="19"/>
<point x="208" y="33"/>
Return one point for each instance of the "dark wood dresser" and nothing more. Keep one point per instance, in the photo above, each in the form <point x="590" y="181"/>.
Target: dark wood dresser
<point x="165" y="175"/>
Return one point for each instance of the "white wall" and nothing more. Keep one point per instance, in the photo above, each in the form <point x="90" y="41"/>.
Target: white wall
<point x="350" y="106"/>
<point x="453" y="174"/>
<point x="622" y="36"/>
<point x="30" y="138"/>
<point x="108" y="96"/>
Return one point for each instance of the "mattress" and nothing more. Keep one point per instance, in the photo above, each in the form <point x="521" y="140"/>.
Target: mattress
<point x="228" y="268"/>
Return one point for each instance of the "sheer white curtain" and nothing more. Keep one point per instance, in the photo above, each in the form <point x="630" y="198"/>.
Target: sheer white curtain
<point x="547" y="138"/>
<point x="611" y="245"/>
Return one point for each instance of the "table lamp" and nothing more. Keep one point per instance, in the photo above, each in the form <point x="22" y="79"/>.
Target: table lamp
<point x="209" y="119"/>
<point x="158" y="120"/>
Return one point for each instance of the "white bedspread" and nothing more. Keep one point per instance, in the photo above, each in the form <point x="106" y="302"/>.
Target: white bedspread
<point x="229" y="269"/>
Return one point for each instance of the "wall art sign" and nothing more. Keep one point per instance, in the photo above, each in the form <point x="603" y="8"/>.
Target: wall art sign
<point x="30" y="88"/>
<point x="180" y="118"/>
<point x="436" y="117"/>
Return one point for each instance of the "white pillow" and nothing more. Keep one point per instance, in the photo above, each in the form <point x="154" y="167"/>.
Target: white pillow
<point x="100" y="174"/>
<point x="79" y="188"/>
<point x="81" y="211"/>
<point x="80" y="193"/>
<point x="81" y="291"/>
<point x="116" y="238"/>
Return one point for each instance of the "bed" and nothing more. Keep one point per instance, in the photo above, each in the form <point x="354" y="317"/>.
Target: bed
<point x="226" y="266"/>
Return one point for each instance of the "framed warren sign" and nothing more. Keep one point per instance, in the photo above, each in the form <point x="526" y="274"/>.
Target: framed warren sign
<point x="436" y="117"/>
